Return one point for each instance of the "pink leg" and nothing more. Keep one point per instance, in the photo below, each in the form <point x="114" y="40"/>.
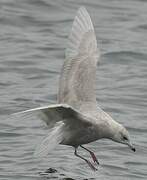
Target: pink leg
<point x="91" y="153"/>
<point x="88" y="162"/>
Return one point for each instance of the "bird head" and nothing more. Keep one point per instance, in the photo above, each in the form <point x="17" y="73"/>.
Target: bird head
<point x="121" y="135"/>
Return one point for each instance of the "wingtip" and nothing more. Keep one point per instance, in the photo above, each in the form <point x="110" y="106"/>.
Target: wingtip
<point x="81" y="25"/>
<point x="82" y="8"/>
<point x="83" y="19"/>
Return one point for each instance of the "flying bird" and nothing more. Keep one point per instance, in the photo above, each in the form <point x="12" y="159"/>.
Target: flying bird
<point x="77" y="119"/>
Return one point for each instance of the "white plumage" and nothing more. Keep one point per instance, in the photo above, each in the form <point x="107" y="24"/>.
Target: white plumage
<point x="77" y="82"/>
<point x="77" y="119"/>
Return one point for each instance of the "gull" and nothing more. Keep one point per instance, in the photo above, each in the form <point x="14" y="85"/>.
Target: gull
<point x="77" y="119"/>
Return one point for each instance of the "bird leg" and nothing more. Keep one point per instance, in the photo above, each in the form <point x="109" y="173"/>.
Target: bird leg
<point x="88" y="162"/>
<point x="92" y="154"/>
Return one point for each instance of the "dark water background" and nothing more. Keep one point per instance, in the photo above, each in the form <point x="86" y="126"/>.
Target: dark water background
<point x="33" y="37"/>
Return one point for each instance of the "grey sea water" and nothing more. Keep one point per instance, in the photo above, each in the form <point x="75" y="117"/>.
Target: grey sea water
<point x="33" y="37"/>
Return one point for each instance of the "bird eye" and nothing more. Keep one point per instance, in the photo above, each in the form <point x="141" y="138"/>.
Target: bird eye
<point x="125" y="138"/>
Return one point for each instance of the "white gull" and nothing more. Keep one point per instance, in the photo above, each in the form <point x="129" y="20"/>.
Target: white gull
<point x="77" y="119"/>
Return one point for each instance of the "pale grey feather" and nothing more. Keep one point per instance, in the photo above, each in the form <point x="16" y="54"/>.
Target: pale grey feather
<point x="77" y="81"/>
<point x="53" y="114"/>
<point x="64" y="123"/>
<point x="77" y="119"/>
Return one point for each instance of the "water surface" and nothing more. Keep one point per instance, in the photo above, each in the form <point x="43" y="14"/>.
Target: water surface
<point x="33" y="36"/>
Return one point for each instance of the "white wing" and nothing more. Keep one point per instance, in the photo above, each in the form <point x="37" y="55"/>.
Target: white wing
<point x="77" y="82"/>
<point x="54" y="137"/>
<point x="53" y="114"/>
<point x="59" y="118"/>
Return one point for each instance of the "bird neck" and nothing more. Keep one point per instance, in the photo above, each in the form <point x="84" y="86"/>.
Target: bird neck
<point x="112" y="128"/>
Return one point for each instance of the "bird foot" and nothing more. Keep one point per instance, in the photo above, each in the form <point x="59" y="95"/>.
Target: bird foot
<point x="91" y="166"/>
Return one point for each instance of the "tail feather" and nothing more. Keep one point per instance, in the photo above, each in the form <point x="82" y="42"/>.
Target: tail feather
<point x="54" y="137"/>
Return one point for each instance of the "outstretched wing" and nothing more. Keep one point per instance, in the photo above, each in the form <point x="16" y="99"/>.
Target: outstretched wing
<point x="59" y="118"/>
<point x="77" y="82"/>
<point x="53" y="138"/>
<point x="53" y="114"/>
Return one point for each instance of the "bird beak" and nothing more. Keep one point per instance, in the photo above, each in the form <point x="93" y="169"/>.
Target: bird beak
<point x="131" y="147"/>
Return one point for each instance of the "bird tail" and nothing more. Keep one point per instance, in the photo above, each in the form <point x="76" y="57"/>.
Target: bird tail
<point x="54" y="137"/>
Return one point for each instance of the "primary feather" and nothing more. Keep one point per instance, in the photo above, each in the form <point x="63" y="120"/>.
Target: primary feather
<point x="61" y="120"/>
<point x="77" y="119"/>
<point x="54" y="137"/>
<point x="77" y="81"/>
